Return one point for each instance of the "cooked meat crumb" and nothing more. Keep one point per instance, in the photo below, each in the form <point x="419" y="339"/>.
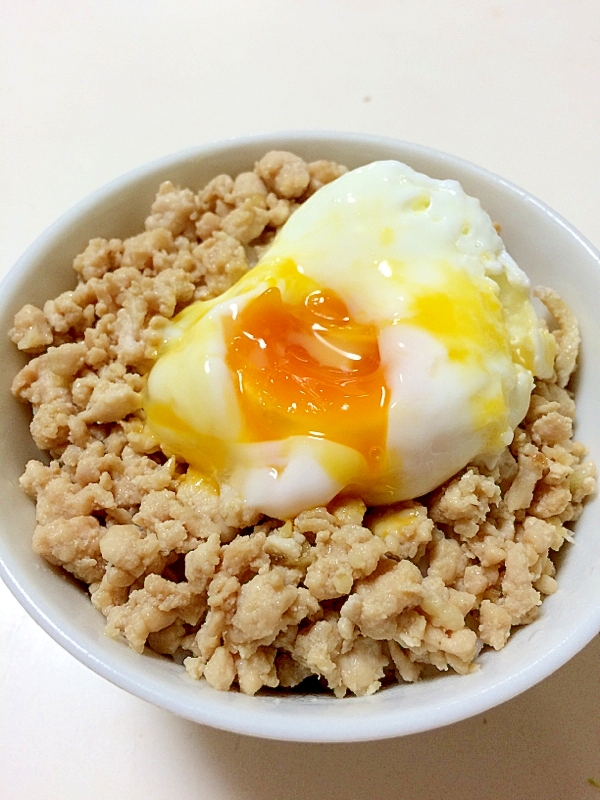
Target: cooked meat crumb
<point x="358" y="597"/>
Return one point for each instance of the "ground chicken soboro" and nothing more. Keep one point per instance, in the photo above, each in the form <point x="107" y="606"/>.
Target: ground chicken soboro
<point x="359" y="597"/>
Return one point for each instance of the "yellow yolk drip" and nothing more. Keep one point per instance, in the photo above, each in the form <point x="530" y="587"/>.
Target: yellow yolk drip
<point x="467" y="318"/>
<point x="306" y="368"/>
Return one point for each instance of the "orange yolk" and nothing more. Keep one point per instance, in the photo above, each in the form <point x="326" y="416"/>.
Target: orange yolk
<point x="307" y="369"/>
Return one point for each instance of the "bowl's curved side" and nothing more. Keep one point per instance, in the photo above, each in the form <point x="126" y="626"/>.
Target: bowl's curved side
<point x="543" y="244"/>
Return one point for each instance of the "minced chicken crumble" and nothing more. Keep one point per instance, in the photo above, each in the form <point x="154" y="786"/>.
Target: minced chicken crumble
<point x="360" y="597"/>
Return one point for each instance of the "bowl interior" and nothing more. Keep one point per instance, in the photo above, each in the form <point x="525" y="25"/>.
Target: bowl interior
<point x="549" y="251"/>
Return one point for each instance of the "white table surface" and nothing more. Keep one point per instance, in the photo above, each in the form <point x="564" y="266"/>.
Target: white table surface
<point x="92" y="88"/>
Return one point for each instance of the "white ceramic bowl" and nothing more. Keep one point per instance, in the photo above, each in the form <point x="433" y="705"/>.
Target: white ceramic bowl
<point x="542" y="243"/>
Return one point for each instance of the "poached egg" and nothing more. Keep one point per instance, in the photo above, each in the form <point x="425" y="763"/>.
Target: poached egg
<point x="384" y="341"/>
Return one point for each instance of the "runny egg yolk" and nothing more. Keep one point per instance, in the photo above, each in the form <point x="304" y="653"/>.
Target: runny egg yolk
<point x="306" y="368"/>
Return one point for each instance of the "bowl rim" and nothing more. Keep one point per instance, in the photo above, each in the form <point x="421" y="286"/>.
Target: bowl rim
<point x="250" y="720"/>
